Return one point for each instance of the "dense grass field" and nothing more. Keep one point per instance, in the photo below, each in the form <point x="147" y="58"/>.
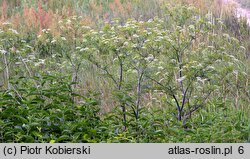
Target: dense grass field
<point x="134" y="71"/>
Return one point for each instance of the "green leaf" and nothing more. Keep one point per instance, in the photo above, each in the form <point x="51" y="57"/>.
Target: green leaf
<point x="63" y="138"/>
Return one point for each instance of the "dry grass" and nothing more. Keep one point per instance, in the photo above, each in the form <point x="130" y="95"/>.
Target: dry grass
<point x="33" y="17"/>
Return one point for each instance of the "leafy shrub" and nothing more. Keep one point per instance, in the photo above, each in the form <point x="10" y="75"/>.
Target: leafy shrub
<point x="179" y="78"/>
<point x="41" y="109"/>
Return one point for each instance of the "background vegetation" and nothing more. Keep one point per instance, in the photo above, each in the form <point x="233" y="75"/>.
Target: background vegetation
<point x="123" y="71"/>
<point x="245" y="3"/>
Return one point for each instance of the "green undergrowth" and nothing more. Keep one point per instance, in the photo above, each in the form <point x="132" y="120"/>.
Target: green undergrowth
<point x="45" y="112"/>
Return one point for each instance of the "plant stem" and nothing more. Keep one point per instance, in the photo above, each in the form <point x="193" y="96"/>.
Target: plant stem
<point x="138" y="100"/>
<point x="7" y="76"/>
<point x="119" y="88"/>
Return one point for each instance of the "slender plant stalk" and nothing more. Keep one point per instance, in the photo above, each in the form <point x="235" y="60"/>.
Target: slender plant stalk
<point x="7" y="76"/>
<point x="138" y="100"/>
<point x="119" y="88"/>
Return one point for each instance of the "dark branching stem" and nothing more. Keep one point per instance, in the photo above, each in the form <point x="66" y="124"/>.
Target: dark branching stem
<point x="118" y="83"/>
<point x="139" y="81"/>
<point x="167" y="90"/>
<point x="105" y="70"/>
<point x="185" y="94"/>
<point x="196" y="107"/>
<point x="179" y="56"/>
<point x="120" y="87"/>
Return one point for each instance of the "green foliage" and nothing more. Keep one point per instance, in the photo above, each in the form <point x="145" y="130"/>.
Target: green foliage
<point x="41" y="109"/>
<point x="179" y="78"/>
<point x="159" y="126"/>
